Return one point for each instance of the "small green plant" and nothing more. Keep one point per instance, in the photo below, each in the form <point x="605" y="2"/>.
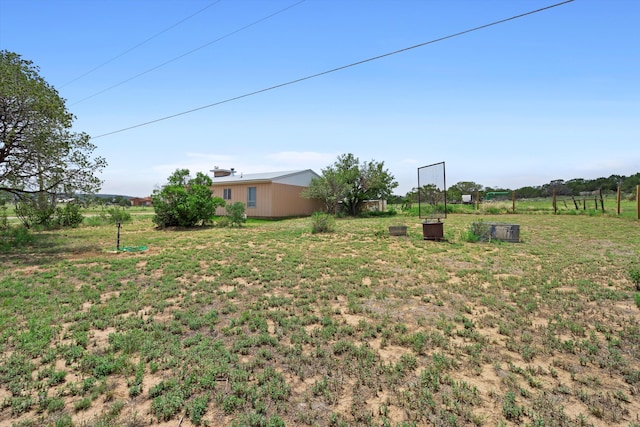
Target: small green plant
<point x="166" y="406"/>
<point x="197" y="408"/>
<point x="64" y="420"/>
<point x="82" y="404"/>
<point x="634" y="274"/>
<point x="510" y="410"/>
<point x="637" y="299"/>
<point x="322" y="223"/>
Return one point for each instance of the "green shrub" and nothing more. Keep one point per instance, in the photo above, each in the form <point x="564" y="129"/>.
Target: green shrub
<point x="197" y="408"/>
<point x="469" y="236"/>
<point x="166" y="406"/>
<point x="54" y="404"/>
<point x="14" y="237"/>
<point x="235" y="214"/>
<point x="185" y="201"/>
<point x="69" y="216"/>
<point x="478" y="231"/>
<point x="322" y="223"/>
<point x="41" y="213"/>
<point x="637" y="298"/>
<point x="118" y="215"/>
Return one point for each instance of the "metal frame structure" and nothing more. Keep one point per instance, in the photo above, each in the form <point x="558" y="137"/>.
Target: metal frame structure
<point x="444" y="192"/>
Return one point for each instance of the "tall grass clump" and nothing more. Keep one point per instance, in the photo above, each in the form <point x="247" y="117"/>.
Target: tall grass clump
<point x="634" y="274"/>
<point x="322" y="223"/>
<point x="477" y="231"/>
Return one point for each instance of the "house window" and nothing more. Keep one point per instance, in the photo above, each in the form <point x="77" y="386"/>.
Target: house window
<point x="226" y="194"/>
<point x="251" y="197"/>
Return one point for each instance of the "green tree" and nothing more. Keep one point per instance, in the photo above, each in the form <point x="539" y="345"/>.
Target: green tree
<point x="558" y="186"/>
<point x="456" y="191"/>
<point x="40" y="157"/>
<point x="352" y="183"/>
<point x="529" y="192"/>
<point x="185" y="201"/>
<point x="577" y="185"/>
<point x="631" y="183"/>
<point x="330" y="188"/>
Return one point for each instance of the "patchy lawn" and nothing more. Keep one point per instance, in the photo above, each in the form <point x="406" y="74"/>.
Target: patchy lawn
<point x="270" y="325"/>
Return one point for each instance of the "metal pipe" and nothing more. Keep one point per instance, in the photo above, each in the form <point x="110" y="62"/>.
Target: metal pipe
<point x="118" y="241"/>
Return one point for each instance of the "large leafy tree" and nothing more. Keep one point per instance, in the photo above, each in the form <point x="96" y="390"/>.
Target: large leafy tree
<point x="185" y="201"/>
<point x="529" y="192"/>
<point x="456" y="191"/>
<point x="330" y="188"/>
<point x="40" y="156"/>
<point x="352" y="183"/>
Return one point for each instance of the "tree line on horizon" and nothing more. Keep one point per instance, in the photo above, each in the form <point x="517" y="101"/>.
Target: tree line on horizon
<point x="572" y="187"/>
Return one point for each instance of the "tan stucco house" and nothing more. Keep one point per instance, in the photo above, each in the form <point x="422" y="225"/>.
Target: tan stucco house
<point x="266" y="195"/>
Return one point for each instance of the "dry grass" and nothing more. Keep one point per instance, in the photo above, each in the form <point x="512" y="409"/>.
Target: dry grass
<point x="272" y="325"/>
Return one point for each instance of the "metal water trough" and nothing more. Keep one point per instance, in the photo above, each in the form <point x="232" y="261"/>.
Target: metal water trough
<point x="398" y="230"/>
<point x="505" y="232"/>
<point x="433" y="230"/>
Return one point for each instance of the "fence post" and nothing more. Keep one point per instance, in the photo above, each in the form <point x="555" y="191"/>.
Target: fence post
<point x="513" y="200"/>
<point x="619" y="190"/>
<point x="555" y="209"/>
<point x="638" y="200"/>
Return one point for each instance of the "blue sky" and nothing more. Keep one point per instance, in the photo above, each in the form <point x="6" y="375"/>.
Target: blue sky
<point x="553" y="95"/>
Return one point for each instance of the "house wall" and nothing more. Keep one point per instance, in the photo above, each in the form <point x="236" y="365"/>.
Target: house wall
<point x="288" y="201"/>
<point x="141" y="201"/>
<point x="238" y="194"/>
<point x="272" y="200"/>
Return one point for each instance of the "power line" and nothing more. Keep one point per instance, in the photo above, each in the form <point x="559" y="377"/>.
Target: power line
<point x="140" y="44"/>
<point x="192" y="51"/>
<point x="333" y="70"/>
